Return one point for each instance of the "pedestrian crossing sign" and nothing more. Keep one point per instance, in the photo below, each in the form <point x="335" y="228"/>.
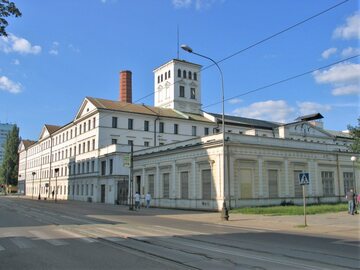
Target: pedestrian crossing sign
<point x="304" y="178"/>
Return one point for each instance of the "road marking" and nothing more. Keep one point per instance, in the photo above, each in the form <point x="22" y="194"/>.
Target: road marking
<point x="2" y="248"/>
<point x="47" y="238"/>
<point x="187" y="232"/>
<point x="77" y="236"/>
<point x="21" y="242"/>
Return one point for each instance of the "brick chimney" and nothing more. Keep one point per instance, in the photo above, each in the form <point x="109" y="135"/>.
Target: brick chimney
<point x="125" y="86"/>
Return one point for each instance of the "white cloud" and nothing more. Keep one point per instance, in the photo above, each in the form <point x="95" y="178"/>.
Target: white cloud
<point x="7" y="85"/>
<point x="16" y="44"/>
<point x="54" y="48"/>
<point x="54" y="52"/>
<point x="350" y="51"/>
<point x="327" y="53"/>
<point x="181" y="3"/>
<point x="351" y="89"/>
<point x="198" y="4"/>
<point x="73" y="48"/>
<point x="235" y="101"/>
<point x="309" y="107"/>
<point x="351" y="29"/>
<point x="341" y="73"/>
<point x="273" y="110"/>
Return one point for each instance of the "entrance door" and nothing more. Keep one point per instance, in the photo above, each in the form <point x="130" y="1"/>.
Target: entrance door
<point x="102" y="194"/>
<point x="123" y="192"/>
<point x="138" y="183"/>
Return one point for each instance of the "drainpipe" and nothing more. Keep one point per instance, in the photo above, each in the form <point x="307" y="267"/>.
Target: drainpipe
<point x="156" y="119"/>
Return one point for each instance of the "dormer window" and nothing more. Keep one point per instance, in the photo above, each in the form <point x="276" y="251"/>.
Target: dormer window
<point x="179" y="73"/>
<point x="190" y="75"/>
<point x="184" y="74"/>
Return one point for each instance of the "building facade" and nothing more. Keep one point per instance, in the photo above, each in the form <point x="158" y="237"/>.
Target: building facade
<point x="178" y="152"/>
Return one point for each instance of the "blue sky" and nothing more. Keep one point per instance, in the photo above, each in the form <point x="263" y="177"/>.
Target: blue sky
<point x="59" y="52"/>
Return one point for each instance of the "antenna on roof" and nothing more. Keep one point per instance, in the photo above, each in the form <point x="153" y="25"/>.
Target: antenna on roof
<point x="178" y="42"/>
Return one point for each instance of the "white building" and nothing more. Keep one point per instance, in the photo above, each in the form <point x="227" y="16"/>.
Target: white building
<point x="178" y="152"/>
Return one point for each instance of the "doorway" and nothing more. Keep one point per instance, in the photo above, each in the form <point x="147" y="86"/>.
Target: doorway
<point x="102" y="197"/>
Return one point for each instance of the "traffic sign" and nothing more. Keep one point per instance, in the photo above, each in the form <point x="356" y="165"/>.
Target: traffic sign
<point x="304" y="178"/>
<point x="127" y="161"/>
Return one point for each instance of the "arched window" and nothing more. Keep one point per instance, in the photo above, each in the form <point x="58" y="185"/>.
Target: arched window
<point x="179" y="73"/>
<point x="165" y="75"/>
<point x="169" y="74"/>
<point x="158" y="79"/>
<point x="184" y="74"/>
<point x="190" y="75"/>
<point x="162" y="77"/>
<point x="195" y="76"/>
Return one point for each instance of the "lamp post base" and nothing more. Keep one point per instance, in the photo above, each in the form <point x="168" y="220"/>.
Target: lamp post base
<point x="224" y="212"/>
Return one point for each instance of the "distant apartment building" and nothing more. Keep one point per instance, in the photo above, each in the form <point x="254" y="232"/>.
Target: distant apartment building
<point x="178" y="152"/>
<point x="4" y="131"/>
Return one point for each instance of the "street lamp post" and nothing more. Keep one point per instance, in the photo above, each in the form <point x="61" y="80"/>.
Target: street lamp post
<point x="39" y="197"/>
<point x="32" y="193"/>
<point x="224" y="212"/>
<point x="56" y="175"/>
<point x="353" y="159"/>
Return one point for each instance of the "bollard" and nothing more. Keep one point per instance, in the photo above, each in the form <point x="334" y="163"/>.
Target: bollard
<point x="224" y="212"/>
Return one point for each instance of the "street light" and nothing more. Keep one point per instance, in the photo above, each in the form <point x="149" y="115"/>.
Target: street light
<point x="353" y="159"/>
<point x="32" y="194"/>
<point x="56" y="175"/>
<point x="224" y="212"/>
<point x="39" y="197"/>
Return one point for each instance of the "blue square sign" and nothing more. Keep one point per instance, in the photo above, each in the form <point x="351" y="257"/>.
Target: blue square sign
<point x="304" y="178"/>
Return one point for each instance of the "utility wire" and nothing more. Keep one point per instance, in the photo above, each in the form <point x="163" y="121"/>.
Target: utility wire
<point x="277" y="34"/>
<point x="284" y="80"/>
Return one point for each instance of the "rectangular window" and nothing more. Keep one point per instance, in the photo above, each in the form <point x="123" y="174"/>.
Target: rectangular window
<point x="206" y="131"/>
<point x="111" y="167"/>
<point x="151" y="184"/>
<point x="193" y="130"/>
<point x="79" y="149"/>
<point x="146" y="125"/>
<point x="87" y="167"/>
<point x="192" y="93"/>
<point x="176" y="129"/>
<point x="273" y="183"/>
<point x="130" y="123"/>
<point x="87" y="189"/>
<point x="184" y="182"/>
<point x="297" y="186"/>
<point x="92" y="190"/>
<point x="161" y="127"/>
<point x="89" y="124"/>
<point x="114" y="122"/>
<point x="93" y="166"/>
<point x="182" y="91"/>
<point x="79" y="168"/>
<point x="206" y="184"/>
<point x="166" y="178"/>
<point x="113" y="141"/>
<point x="327" y="178"/>
<point x="93" y="144"/>
<point x="103" y="167"/>
<point x="94" y="121"/>
<point x="348" y="181"/>
<point x="147" y="144"/>
<point x="88" y="146"/>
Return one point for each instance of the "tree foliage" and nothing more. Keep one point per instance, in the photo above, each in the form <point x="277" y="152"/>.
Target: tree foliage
<point x="7" y="9"/>
<point x="10" y="164"/>
<point x="355" y="133"/>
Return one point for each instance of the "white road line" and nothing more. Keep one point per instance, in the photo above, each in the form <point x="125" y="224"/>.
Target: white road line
<point x="21" y="242"/>
<point x="187" y="232"/>
<point x="47" y="238"/>
<point x="2" y="248"/>
<point x="77" y="236"/>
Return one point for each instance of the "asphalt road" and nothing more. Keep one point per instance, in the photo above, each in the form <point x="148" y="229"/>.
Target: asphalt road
<point x="78" y="235"/>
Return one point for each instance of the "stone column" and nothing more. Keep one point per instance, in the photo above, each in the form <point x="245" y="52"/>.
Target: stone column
<point x="286" y="177"/>
<point x="261" y="180"/>
<point x="173" y="189"/>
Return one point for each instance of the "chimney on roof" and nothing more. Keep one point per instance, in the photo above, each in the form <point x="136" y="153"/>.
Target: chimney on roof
<point x="125" y="86"/>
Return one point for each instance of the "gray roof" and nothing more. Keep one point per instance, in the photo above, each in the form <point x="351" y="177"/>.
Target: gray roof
<point x="339" y="134"/>
<point x="247" y="122"/>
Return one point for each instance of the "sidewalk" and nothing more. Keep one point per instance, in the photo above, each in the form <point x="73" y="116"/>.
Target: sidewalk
<point x="341" y="225"/>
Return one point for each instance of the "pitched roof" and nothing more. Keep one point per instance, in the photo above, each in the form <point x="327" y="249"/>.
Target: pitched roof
<point x="247" y="122"/>
<point x="28" y="143"/>
<point x="339" y="134"/>
<point x="144" y="109"/>
<point x="309" y="117"/>
<point x="52" y="128"/>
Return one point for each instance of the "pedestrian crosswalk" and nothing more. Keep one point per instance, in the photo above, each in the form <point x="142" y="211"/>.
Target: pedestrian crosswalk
<point x="58" y="236"/>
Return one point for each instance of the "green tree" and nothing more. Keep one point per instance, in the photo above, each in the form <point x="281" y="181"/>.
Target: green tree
<point x="355" y="133"/>
<point x="7" y="9"/>
<point x="10" y="164"/>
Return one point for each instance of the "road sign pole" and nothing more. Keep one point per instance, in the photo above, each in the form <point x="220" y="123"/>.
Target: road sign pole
<point x="304" y="199"/>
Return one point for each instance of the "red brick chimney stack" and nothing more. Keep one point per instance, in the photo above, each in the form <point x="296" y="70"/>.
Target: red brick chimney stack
<point x="125" y="86"/>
